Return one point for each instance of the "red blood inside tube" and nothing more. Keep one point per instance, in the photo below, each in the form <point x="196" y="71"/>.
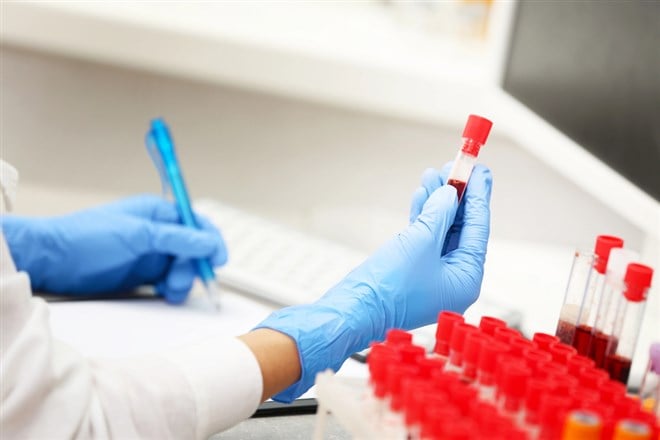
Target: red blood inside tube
<point x="459" y="185"/>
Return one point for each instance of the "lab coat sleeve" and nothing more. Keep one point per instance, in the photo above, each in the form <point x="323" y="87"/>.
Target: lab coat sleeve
<point x="49" y="390"/>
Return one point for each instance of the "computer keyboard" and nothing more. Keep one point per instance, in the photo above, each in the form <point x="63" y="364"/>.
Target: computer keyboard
<point x="274" y="262"/>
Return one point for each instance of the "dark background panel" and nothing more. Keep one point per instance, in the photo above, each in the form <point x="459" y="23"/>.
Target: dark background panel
<point x="592" y="69"/>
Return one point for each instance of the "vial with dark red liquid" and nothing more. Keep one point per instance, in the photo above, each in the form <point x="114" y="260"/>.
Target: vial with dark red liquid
<point x="585" y="283"/>
<point x="475" y="134"/>
<point x="593" y="293"/>
<point x="628" y="321"/>
<point x="602" y="333"/>
<point x="577" y="282"/>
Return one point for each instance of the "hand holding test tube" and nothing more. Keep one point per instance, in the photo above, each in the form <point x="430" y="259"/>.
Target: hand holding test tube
<point x="161" y="149"/>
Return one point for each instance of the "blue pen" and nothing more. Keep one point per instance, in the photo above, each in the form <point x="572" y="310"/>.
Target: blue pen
<point x="161" y="149"/>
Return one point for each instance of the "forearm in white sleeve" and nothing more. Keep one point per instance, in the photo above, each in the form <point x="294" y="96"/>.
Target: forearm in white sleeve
<point x="49" y="390"/>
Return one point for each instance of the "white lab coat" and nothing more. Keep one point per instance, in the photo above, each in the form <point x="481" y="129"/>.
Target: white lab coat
<point x="50" y="391"/>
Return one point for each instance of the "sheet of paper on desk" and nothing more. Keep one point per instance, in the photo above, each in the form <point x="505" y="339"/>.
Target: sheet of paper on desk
<point x="122" y="328"/>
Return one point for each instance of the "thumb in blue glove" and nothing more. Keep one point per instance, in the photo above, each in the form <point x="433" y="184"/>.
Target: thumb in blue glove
<point x="403" y="285"/>
<point x="113" y="248"/>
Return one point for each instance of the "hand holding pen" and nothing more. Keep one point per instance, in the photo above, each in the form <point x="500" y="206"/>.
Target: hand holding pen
<point x="161" y="149"/>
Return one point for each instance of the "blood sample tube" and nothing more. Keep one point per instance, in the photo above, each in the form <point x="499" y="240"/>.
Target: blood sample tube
<point x="393" y="420"/>
<point x="582" y="425"/>
<point x="486" y="367"/>
<point x="415" y="398"/>
<point x="614" y="286"/>
<point x="475" y="134"/>
<point x="552" y="412"/>
<point x="649" y="391"/>
<point x="446" y="322"/>
<point x="593" y="293"/>
<point x="536" y="388"/>
<point x="578" y="277"/>
<point x="471" y="350"/>
<point x="457" y="344"/>
<point x="629" y="313"/>
<point x="379" y="360"/>
<point x="514" y="383"/>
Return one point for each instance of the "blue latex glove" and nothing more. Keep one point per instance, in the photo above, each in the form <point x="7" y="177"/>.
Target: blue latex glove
<point x="113" y="248"/>
<point x="403" y="285"/>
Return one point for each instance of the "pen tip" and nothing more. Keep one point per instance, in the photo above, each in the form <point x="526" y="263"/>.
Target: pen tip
<point x="213" y="290"/>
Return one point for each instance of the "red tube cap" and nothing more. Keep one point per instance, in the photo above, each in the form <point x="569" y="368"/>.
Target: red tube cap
<point x="612" y="391"/>
<point x="537" y="388"/>
<point x="544" y="340"/>
<point x="398" y="336"/>
<point x="506" y="334"/>
<point x="472" y="347"/>
<point x="536" y="359"/>
<point x="514" y="382"/>
<point x="428" y="366"/>
<point x="604" y="244"/>
<point x="594" y="378"/>
<point x="477" y="128"/>
<point x="489" y="355"/>
<point x="410" y="353"/>
<point x="458" y="342"/>
<point x="566" y="385"/>
<point x="578" y="363"/>
<point x="561" y="353"/>
<point x="638" y="280"/>
<point x="519" y="345"/>
<point x="446" y="322"/>
<point x="488" y="324"/>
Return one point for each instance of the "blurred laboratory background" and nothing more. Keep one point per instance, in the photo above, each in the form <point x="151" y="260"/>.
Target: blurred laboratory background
<point x="322" y="116"/>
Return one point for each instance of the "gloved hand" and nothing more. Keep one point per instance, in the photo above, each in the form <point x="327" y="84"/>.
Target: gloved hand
<point x="403" y="285"/>
<point x="113" y="248"/>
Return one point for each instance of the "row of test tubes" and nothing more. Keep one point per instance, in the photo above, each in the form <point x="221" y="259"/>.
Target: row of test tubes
<point x="488" y="381"/>
<point x="604" y="305"/>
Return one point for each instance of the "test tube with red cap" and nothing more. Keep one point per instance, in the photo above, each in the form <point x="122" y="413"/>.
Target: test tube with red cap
<point x="577" y="282"/>
<point x="583" y="281"/>
<point x="629" y="311"/>
<point x="593" y="293"/>
<point x="446" y="322"/>
<point x="649" y="391"/>
<point x="601" y="336"/>
<point x="475" y="134"/>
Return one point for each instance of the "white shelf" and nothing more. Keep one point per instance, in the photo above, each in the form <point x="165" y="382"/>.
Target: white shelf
<point x="351" y="54"/>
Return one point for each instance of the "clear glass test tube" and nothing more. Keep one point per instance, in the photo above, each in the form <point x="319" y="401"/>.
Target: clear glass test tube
<point x="603" y="327"/>
<point x="629" y="311"/>
<point x="475" y="135"/>
<point x="593" y="292"/>
<point x="578" y="278"/>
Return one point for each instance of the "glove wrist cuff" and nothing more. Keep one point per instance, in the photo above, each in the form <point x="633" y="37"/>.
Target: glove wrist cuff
<point x="327" y="332"/>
